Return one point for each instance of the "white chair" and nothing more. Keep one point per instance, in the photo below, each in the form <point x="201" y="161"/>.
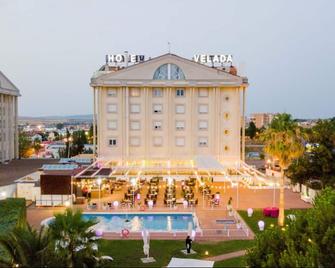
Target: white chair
<point x="185" y="203"/>
<point x="150" y="204"/>
<point x="261" y="225"/>
<point x="116" y="204"/>
<point x="250" y="211"/>
<point x="291" y="217"/>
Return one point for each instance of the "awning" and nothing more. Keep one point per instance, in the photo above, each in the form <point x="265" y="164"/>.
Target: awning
<point x="208" y="163"/>
<point x="179" y="262"/>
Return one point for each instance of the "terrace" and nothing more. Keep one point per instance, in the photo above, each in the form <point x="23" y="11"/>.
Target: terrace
<point x="116" y="190"/>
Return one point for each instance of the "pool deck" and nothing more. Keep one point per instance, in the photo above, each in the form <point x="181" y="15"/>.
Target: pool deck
<point x="207" y="216"/>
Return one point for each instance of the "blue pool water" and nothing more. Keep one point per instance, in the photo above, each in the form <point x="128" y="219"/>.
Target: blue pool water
<point x="139" y="221"/>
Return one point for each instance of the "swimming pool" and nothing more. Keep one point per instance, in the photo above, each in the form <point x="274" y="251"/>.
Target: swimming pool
<point x="136" y="222"/>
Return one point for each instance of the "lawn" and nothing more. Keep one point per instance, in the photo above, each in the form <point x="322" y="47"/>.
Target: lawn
<point x="258" y="215"/>
<point x="234" y="262"/>
<point x="127" y="253"/>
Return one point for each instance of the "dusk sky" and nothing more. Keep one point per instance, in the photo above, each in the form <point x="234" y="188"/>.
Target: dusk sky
<point x="50" y="49"/>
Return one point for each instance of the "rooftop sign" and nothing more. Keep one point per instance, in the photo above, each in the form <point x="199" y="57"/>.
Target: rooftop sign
<point x="124" y="58"/>
<point x="213" y="59"/>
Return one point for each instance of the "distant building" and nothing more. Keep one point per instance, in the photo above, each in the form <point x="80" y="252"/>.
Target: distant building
<point x="261" y="119"/>
<point x="9" y="145"/>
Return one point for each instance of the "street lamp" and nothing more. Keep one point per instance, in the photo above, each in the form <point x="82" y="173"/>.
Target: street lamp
<point x="99" y="184"/>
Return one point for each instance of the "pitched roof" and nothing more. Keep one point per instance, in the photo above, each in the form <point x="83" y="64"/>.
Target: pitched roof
<point x="143" y="73"/>
<point x="7" y="86"/>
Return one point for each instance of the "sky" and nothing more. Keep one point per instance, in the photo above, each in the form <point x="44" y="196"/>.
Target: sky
<point x="286" y="48"/>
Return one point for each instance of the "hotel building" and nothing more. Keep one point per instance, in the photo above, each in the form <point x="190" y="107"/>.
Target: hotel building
<point x="169" y="108"/>
<point x="9" y="146"/>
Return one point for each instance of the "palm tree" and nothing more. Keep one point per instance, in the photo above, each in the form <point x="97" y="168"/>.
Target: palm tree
<point x="74" y="239"/>
<point x="283" y="142"/>
<point x="24" y="247"/>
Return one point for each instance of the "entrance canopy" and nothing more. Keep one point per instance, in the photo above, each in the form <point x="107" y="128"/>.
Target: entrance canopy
<point x="200" y="166"/>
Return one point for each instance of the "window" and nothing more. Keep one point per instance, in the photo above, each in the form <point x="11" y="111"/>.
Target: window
<point x="135" y="125"/>
<point x="203" y="92"/>
<point x="203" y="108"/>
<point x="169" y="71"/>
<point x="135" y="92"/>
<point x="112" y="124"/>
<point x="180" y="125"/>
<point x="180" y="109"/>
<point x="135" y="108"/>
<point x="157" y="92"/>
<point x="157" y="108"/>
<point x="112" y="108"/>
<point x="180" y="92"/>
<point x="226" y="98"/>
<point x="226" y="131"/>
<point x="135" y="141"/>
<point x="203" y="142"/>
<point x="157" y="125"/>
<point x="112" y="92"/>
<point x="158" y="141"/>
<point x="203" y="125"/>
<point x="180" y="141"/>
<point x="226" y="148"/>
<point x="226" y="116"/>
<point x="112" y="142"/>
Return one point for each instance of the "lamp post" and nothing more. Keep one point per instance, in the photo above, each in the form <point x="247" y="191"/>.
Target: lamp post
<point x="273" y="185"/>
<point x="99" y="184"/>
<point x="202" y="184"/>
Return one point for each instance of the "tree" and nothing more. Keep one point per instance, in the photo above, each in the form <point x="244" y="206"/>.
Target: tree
<point x="24" y="144"/>
<point x="307" y="241"/>
<point x="25" y="247"/>
<point x="283" y="142"/>
<point x="37" y="145"/>
<point x="59" y="126"/>
<point x="318" y="161"/>
<point x="79" y="141"/>
<point x="73" y="238"/>
<point x="251" y="130"/>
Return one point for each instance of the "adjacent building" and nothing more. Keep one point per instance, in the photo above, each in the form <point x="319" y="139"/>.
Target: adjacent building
<point x="261" y="119"/>
<point x="168" y="109"/>
<point x="9" y="146"/>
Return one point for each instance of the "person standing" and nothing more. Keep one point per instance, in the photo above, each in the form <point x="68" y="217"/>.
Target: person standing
<point x="188" y="244"/>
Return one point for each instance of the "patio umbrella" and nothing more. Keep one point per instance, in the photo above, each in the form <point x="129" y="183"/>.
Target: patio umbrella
<point x="146" y="242"/>
<point x="190" y="228"/>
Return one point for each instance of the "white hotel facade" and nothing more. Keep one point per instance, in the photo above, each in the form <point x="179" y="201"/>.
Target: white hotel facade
<point x="9" y="145"/>
<point x="168" y="109"/>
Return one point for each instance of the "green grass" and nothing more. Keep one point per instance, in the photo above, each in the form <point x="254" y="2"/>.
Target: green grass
<point x="234" y="262"/>
<point x="127" y="253"/>
<point x="258" y="215"/>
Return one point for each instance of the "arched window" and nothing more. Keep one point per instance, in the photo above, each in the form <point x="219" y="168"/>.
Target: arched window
<point x="169" y="71"/>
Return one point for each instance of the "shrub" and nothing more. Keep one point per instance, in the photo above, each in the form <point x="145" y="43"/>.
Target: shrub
<point x="12" y="213"/>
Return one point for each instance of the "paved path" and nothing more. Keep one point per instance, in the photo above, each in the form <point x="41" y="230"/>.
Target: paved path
<point x="227" y="256"/>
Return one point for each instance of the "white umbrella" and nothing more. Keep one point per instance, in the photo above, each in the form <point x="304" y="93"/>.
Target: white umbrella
<point x="190" y="228"/>
<point x="146" y="242"/>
